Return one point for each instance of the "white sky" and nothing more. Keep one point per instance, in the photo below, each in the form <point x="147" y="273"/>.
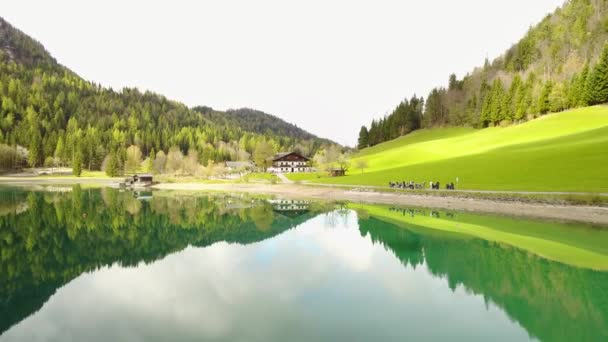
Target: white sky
<point x="327" y="66"/>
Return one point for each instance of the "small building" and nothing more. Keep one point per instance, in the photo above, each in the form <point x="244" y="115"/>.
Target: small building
<point x="289" y="162"/>
<point x="336" y="172"/>
<point x="139" y="180"/>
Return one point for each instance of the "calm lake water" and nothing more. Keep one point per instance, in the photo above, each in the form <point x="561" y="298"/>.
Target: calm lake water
<point x="102" y="265"/>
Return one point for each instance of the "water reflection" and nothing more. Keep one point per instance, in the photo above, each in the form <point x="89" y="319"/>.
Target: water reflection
<point x="106" y="265"/>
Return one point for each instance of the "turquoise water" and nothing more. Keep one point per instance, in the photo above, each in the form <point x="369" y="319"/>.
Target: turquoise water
<point x="103" y="265"/>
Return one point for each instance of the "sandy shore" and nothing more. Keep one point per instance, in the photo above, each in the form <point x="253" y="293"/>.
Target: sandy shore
<point x="595" y="215"/>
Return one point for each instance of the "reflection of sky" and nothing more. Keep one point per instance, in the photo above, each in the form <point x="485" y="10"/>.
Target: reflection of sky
<point x="321" y="281"/>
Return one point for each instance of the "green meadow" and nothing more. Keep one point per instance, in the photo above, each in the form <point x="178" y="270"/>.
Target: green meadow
<point x="565" y="151"/>
<point x="573" y="244"/>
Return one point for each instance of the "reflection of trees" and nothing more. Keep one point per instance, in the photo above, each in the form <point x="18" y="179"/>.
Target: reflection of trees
<point x="63" y="235"/>
<point x="552" y="301"/>
<point x="262" y="216"/>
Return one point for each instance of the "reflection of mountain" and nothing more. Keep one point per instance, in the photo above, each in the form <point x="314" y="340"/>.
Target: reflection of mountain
<point x="62" y="236"/>
<point x="552" y="301"/>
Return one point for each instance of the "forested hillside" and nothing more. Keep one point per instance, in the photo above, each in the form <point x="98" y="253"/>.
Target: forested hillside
<point x="561" y="63"/>
<point x="49" y="115"/>
<point x="252" y="120"/>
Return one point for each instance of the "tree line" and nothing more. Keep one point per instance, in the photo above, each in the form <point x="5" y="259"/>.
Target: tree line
<point x="561" y="63"/>
<point x="51" y="116"/>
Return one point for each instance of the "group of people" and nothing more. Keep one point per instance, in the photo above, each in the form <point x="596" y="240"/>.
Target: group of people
<point x="407" y="185"/>
<point x="419" y="186"/>
<point x="449" y="186"/>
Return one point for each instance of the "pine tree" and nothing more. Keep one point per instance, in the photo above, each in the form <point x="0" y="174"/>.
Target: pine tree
<point x="512" y="97"/>
<point x="150" y="164"/>
<point x="496" y="107"/>
<point x="581" y="87"/>
<point x="522" y="100"/>
<point x="60" y="150"/>
<point x="597" y="82"/>
<point x="363" y="138"/>
<point x="543" y="101"/>
<point x="557" y="98"/>
<point x="35" y="152"/>
<point x="112" y="167"/>
<point x="77" y="163"/>
<point x="35" y="145"/>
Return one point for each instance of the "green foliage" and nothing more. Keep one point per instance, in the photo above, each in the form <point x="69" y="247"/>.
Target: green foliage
<point x="112" y="167"/>
<point x="406" y="118"/>
<point x="544" y="105"/>
<point x="597" y="81"/>
<point x="53" y="112"/>
<point x="558" y="48"/>
<point x="557" y="98"/>
<point x="263" y="151"/>
<point x="8" y="157"/>
<point x="363" y="141"/>
<point x="77" y="163"/>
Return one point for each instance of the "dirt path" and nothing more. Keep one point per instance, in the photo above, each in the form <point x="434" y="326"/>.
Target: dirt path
<point x="284" y="179"/>
<point x="595" y="215"/>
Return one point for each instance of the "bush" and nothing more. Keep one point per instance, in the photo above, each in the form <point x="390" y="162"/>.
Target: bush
<point x="8" y="157"/>
<point x="49" y="162"/>
<point x="505" y="123"/>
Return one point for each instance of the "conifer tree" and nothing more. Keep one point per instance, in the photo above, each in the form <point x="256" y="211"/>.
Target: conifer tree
<point x="77" y="163"/>
<point x="35" y="145"/>
<point x="581" y="87"/>
<point x="512" y="97"/>
<point x="543" y="100"/>
<point x="557" y="98"/>
<point x="112" y="167"/>
<point x="597" y="82"/>
<point x="363" y="138"/>
<point x="496" y="107"/>
<point x="522" y="100"/>
<point x="60" y="150"/>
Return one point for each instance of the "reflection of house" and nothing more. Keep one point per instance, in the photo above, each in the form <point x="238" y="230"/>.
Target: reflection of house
<point x="143" y="195"/>
<point x="239" y="165"/>
<point x="289" y="162"/>
<point x="290" y="208"/>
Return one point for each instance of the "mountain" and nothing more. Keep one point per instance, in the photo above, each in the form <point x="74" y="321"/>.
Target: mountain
<point x="18" y="47"/>
<point x="561" y="63"/>
<point x="59" y="116"/>
<point x="256" y="121"/>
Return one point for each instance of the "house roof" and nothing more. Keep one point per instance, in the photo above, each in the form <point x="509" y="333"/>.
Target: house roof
<point x="144" y="175"/>
<point x="283" y="154"/>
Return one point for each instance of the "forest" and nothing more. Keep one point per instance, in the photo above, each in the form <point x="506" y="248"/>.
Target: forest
<point x="49" y="116"/>
<point x="561" y="63"/>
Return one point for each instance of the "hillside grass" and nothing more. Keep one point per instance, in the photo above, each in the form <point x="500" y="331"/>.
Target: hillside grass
<point x="573" y="244"/>
<point x="566" y="151"/>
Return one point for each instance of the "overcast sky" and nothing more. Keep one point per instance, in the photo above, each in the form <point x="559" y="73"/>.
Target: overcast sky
<point x="327" y="66"/>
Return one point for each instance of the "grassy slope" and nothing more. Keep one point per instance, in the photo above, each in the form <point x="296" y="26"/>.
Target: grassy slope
<point x="573" y="244"/>
<point x="559" y="152"/>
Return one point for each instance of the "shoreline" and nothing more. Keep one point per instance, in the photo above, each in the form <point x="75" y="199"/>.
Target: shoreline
<point x="571" y="213"/>
<point x="561" y="212"/>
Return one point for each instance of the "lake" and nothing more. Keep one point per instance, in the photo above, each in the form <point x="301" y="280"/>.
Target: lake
<point x="80" y="264"/>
